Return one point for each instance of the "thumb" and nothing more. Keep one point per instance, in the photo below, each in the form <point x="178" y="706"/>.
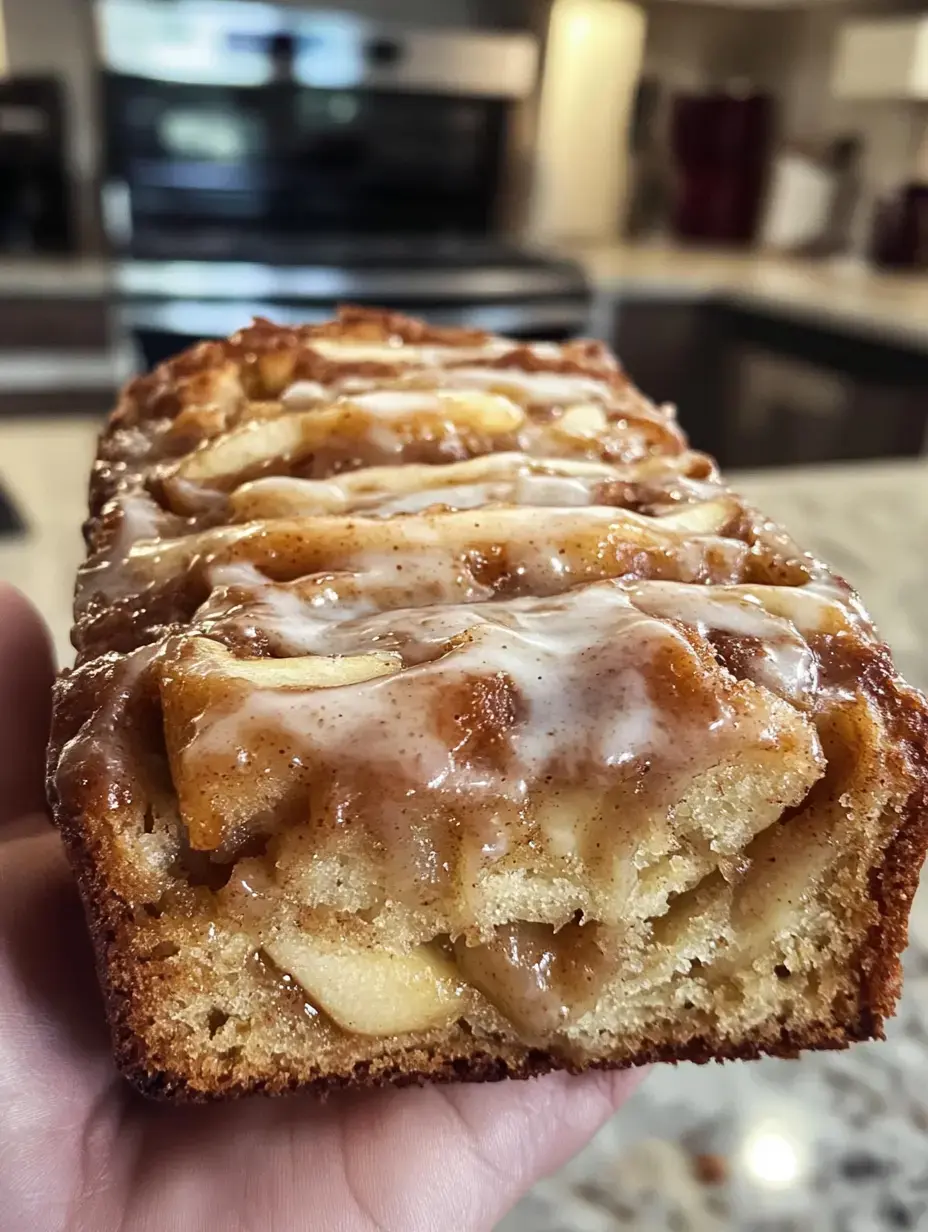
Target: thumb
<point x="26" y="675"/>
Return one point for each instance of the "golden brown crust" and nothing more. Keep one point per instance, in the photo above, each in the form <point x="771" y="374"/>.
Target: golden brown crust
<point x="161" y="418"/>
<point x="894" y="885"/>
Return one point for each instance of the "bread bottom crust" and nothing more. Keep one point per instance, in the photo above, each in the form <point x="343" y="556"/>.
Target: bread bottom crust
<point x="877" y="968"/>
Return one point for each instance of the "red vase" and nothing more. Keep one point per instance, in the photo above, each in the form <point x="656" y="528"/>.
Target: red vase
<point x="721" y="147"/>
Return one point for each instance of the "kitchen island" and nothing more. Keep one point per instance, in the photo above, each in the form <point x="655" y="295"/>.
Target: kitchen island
<point x="832" y="1143"/>
<point x="770" y="360"/>
<point x="842" y="291"/>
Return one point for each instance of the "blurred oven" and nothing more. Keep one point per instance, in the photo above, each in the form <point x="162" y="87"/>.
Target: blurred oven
<point x="35" y="190"/>
<point x="267" y="159"/>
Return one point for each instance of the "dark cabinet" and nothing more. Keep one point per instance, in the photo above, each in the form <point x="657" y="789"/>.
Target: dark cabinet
<point x="45" y="323"/>
<point x="757" y="388"/>
<point x="658" y="342"/>
<point x="782" y="409"/>
<point x="47" y="346"/>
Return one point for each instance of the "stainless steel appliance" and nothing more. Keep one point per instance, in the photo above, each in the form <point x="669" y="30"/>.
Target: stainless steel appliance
<point x="271" y="160"/>
<point x="35" y="199"/>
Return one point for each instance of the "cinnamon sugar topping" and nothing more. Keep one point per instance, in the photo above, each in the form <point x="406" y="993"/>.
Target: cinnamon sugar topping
<point x="443" y="613"/>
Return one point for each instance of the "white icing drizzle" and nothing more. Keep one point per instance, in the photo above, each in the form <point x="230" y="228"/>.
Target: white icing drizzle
<point x="835" y="593"/>
<point x="305" y="392"/>
<point x="299" y="617"/>
<point x="513" y="477"/>
<point x="351" y="429"/>
<point x="812" y="608"/>
<point x="279" y="495"/>
<point x="406" y="403"/>
<point x="539" y="388"/>
<point x="781" y="660"/>
<point x="526" y="489"/>
<point x="420" y="553"/>
<point x="396" y="352"/>
<point x="141" y="518"/>
<point x="457" y="496"/>
<point x="137" y="519"/>
<point x="582" y="667"/>
<point x="243" y="602"/>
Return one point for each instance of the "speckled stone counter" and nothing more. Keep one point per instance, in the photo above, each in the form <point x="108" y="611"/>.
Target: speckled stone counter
<point x="844" y="294"/>
<point x="832" y="1143"/>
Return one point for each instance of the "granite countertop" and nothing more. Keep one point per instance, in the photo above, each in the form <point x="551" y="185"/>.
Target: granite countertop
<point x="54" y="277"/>
<point x="842" y="293"/>
<point x="835" y="1142"/>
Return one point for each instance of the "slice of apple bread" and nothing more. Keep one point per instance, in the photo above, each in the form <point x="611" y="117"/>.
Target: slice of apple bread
<point x="438" y="715"/>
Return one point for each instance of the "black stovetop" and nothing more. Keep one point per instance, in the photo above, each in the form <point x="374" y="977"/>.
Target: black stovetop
<point x="346" y="252"/>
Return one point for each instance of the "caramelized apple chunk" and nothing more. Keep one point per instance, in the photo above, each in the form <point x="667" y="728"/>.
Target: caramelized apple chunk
<point x="538" y="977"/>
<point x="372" y="991"/>
<point x="201" y="677"/>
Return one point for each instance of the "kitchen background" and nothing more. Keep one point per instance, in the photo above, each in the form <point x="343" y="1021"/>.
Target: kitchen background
<point x="735" y="196"/>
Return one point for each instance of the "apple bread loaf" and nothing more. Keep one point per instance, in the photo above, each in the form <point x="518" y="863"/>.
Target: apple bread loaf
<point x="439" y="715"/>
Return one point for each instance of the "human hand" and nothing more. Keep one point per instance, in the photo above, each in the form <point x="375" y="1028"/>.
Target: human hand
<point x="80" y="1151"/>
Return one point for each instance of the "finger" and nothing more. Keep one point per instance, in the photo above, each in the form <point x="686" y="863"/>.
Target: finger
<point x="54" y="1049"/>
<point x="456" y="1157"/>
<point x="49" y="995"/>
<point x="26" y="675"/>
<point x="486" y="1146"/>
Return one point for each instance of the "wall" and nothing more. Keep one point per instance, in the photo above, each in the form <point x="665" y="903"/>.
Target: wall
<point x="693" y="46"/>
<point x="55" y="36"/>
<point x="891" y="130"/>
<point x="594" y="55"/>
